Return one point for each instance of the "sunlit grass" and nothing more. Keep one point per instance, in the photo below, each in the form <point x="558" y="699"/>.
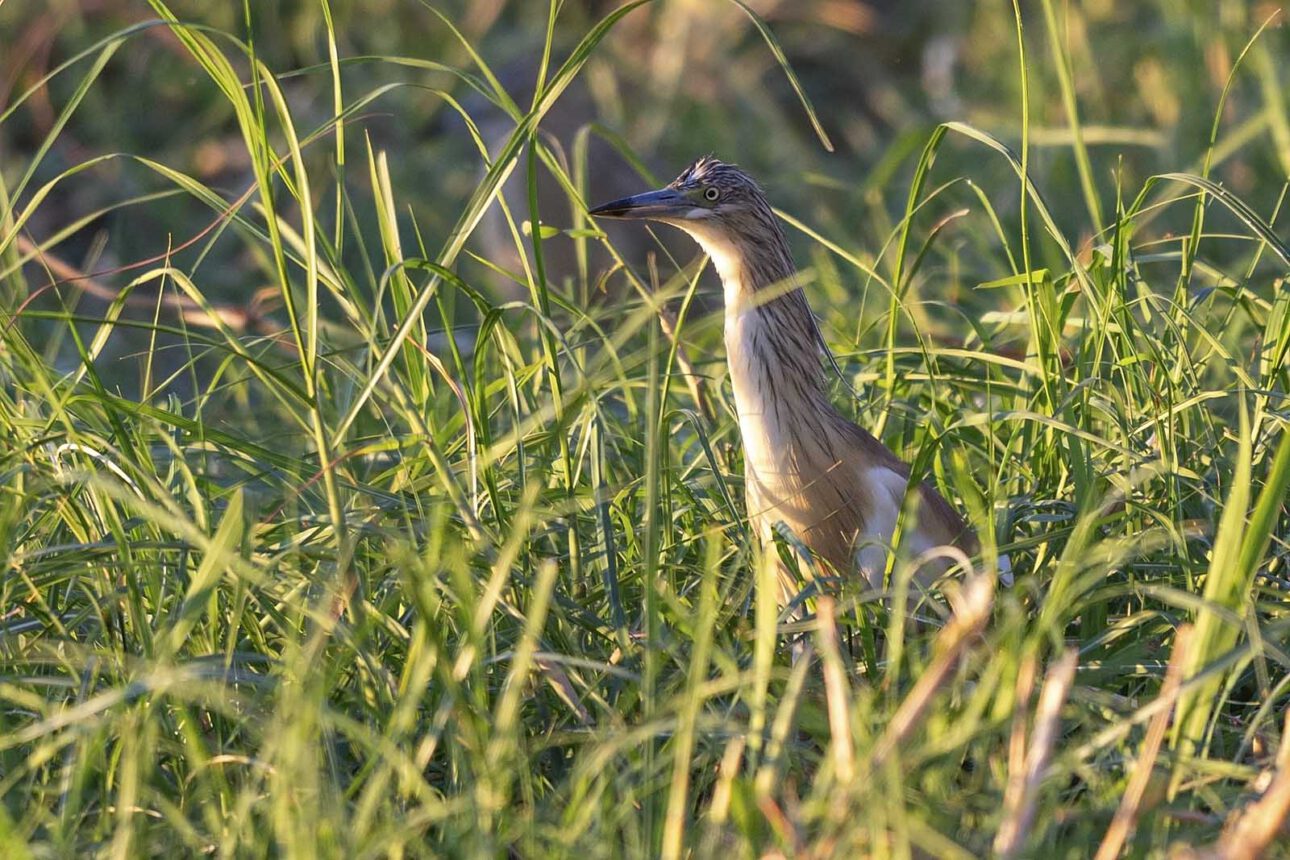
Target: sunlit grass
<point x="394" y="565"/>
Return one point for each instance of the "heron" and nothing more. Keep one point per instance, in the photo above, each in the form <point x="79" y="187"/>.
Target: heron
<point x="835" y="486"/>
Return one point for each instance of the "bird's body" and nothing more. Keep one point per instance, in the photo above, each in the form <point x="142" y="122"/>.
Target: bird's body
<point x="831" y="483"/>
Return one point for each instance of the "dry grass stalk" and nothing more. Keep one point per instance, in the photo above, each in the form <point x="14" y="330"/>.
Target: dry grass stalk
<point x="719" y="809"/>
<point x="1019" y="817"/>
<point x="971" y="610"/>
<point x="768" y="774"/>
<point x="1126" y="816"/>
<point x="1253" y="830"/>
<point x="1025" y="686"/>
<point x="237" y="318"/>
<point x="836" y="691"/>
<point x="693" y="379"/>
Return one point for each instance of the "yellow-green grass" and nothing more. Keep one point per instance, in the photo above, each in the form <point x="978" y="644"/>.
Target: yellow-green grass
<point x="411" y="564"/>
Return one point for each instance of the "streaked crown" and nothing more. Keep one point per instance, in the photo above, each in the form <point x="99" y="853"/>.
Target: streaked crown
<point x="717" y="182"/>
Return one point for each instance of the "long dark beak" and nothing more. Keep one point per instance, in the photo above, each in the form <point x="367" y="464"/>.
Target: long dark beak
<point x="664" y="203"/>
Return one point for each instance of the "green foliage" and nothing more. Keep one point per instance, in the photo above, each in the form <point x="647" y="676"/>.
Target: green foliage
<point x="333" y="529"/>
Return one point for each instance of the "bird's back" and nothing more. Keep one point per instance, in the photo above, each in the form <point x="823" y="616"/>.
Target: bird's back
<point x="842" y="495"/>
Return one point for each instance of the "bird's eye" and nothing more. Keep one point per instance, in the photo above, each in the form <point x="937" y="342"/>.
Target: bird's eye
<point x="711" y="194"/>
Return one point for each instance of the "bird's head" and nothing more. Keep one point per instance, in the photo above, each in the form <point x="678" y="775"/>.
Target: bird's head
<point x="725" y="210"/>
<point x="708" y="196"/>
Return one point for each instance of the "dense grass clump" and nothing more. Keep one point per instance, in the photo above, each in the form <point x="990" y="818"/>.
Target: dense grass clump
<point x="362" y="498"/>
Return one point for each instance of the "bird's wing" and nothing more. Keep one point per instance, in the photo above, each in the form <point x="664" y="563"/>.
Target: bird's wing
<point x="937" y="519"/>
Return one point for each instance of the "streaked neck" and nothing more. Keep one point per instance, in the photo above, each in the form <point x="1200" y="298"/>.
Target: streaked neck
<point x="772" y="341"/>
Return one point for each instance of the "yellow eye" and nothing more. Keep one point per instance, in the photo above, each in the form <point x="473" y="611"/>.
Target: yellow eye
<point x="711" y="194"/>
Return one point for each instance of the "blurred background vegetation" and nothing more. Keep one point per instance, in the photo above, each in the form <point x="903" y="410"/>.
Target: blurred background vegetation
<point x="673" y="80"/>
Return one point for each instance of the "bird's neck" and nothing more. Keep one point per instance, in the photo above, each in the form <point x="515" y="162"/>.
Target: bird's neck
<point x="773" y="349"/>
<point x="771" y="334"/>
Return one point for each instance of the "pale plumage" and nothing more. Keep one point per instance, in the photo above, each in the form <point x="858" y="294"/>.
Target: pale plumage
<point x="834" y="485"/>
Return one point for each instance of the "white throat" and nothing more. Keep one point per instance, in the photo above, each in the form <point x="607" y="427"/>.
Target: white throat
<point x="765" y="436"/>
<point x="727" y="260"/>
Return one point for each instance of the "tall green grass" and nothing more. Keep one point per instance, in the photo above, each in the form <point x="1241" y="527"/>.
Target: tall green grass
<point x="414" y="570"/>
